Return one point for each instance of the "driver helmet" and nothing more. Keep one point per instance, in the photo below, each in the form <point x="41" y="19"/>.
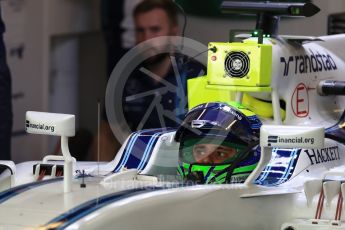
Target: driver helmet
<point x="218" y="143"/>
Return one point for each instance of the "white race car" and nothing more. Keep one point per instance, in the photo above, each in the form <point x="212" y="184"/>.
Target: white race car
<point x="279" y="168"/>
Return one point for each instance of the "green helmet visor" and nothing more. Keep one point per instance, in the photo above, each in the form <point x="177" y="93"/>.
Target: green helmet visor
<point x="209" y="151"/>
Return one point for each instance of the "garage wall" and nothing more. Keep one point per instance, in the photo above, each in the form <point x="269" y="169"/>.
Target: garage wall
<point x="40" y="35"/>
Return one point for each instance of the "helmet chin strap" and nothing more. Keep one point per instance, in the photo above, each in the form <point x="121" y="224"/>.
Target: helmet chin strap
<point x="232" y="167"/>
<point x="234" y="164"/>
<point x="195" y="177"/>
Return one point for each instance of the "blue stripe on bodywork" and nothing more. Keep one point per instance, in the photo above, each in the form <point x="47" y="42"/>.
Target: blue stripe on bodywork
<point x="290" y="168"/>
<point x="79" y="212"/>
<point x="86" y="208"/>
<point x="137" y="152"/>
<point x="267" y="169"/>
<point x="12" y="192"/>
<point x="278" y="172"/>
<point x="149" y="151"/>
<point x="127" y="151"/>
<point x="140" y="146"/>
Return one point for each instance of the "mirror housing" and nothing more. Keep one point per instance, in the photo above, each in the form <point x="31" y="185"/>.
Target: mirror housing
<point x="283" y="136"/>
<point x="54" y="124"/>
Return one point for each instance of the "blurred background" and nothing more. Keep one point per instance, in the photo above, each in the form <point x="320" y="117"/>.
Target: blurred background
<point x="57" y="54"/>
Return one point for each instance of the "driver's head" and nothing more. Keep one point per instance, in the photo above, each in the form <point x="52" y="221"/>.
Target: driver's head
<point x="217" y="143"/>
<point x="209" y="151"/>
<point x="212" y="154"/>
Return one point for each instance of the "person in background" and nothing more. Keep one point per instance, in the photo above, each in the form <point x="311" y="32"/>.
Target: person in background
<point x="153" y="19"/>
<point x="5" y="100"/>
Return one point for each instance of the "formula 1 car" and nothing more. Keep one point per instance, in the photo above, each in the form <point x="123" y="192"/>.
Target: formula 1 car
<point x="274" y="105"/>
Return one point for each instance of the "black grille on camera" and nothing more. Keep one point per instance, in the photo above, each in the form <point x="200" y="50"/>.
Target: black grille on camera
<point x="237" y="64"/>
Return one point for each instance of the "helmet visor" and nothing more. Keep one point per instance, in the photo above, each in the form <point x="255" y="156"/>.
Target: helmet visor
<point x="223" y="117"/>
<point x="209" y="151"/>
<point x="217" y="118"/>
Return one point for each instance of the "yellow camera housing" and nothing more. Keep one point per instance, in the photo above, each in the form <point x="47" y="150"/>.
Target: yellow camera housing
<point x="219" y="85"/>
<point x="246" y="64"/>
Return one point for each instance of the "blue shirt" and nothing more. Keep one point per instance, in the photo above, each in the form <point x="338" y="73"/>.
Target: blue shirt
<point x="148" y="103"/>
